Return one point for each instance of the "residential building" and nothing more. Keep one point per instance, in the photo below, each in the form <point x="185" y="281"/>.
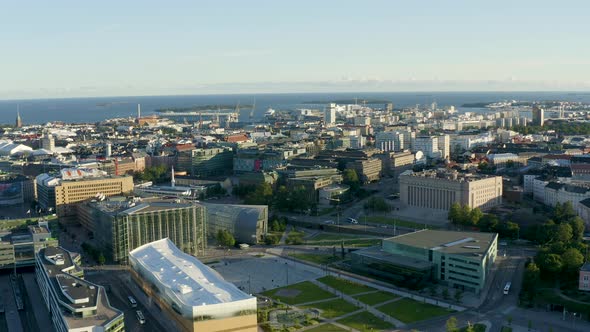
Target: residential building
<point x="190" y="293"/>
<point x="247" y="223"/>
<point x="120" y="225"/>
<point x="330" y="114"/>
<point x="461" y="260"/>
<point x="444" y="146"/>
<point x="440" y="189"/>
<point x="75" y="185"/>
<point x="74" y="304"/>
<point x="428" y="145"/>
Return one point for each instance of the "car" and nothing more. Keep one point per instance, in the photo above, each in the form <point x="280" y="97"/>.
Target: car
<point x="329" y="222"/>
<point x="352" y="220"/>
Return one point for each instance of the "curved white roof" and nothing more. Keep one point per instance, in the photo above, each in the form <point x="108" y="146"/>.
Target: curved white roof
<point x="192" y="282"/>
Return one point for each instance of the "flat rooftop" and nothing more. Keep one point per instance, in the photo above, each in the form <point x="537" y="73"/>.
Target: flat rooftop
<point x="450" y="242"/>
<point x="398" y="260"/>
<point x="122" y="206"/>
<point x="192" y="282"/>
<point x="78" y="294"/>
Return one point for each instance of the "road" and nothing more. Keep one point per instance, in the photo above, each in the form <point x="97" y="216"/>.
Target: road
<point x="120" y="289"/>
<point x="11" y="315"/>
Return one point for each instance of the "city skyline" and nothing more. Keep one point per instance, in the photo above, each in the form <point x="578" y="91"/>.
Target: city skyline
<point x="138" y="48"/>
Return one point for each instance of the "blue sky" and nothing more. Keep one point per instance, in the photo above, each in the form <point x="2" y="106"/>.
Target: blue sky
<point x="102" y="48"/>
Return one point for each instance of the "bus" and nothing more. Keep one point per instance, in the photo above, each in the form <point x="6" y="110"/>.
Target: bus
<point x="140" y="317"/>
<point x="132" y="301"/>
<point x="507" y="288"/>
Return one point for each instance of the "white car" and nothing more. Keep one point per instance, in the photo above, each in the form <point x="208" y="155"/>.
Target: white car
<point x="352" y="221"/>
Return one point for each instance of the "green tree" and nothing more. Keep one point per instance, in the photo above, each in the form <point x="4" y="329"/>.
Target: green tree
<point x="262" y="195"/>
<point x="475" y="215"/>
<point x="532" y="275"/>
<point x="351" y="178"/>
<point x="451" y="325"/>
<point x="551" y="263"/>
<point x="564" y="233"/>
<point x="577" y="228"/>
<point x="465" y="215"/>
<point x="572" y="259"/>
<point x="488" y="223"/>
<point x="101" y="259"/>
<point x="455" y="213"/>
<point x="225" y="238"/>
<point x="458" y="295"/>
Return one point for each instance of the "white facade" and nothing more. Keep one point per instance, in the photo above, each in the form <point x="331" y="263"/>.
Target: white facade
<point x="528" y="182"/>
<point x="428" y="145"/>
<point x="193" y="289"/>
<point x="330" y="114"/>
<point x="444" y="146"/>
<point x="389" y="141"/>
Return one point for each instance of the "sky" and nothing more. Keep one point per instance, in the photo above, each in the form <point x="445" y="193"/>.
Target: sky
<point x="113" y="48"/>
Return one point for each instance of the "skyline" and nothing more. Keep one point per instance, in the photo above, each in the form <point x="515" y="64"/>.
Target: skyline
<point x="145" y="48"/>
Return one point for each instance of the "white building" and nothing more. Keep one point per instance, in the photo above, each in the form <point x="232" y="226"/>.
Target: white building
<point x="195" y="295"/>
<point x="428" y="145"/>
<point x="330" y="114"/>
<point x="8" y="148"/>
<point x="444" y="146"/>
<point x="389" y="141"/>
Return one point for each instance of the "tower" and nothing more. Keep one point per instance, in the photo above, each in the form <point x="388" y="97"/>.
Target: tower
<point x="538" y="116"/>
<point x="330" y="114"/>
<point x="19" y="121"/>
<point x="138" y="112"/>
<point x="172" y="180"/>
<point x="107" y="150"/>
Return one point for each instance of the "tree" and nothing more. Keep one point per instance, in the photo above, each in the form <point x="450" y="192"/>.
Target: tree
<point x="469" y="328"/>
<point x="550" y="262"/>
<point x="262" y="195"/>
<point x="577" y="228"/>
<point x="564" y="233"/>
<point x="466" y="215"/>
<point x="445" y="293"/>
<point x="101" y="259"/>
<point x="351" y="178"/>
<point x="475" y="216"/>
<point x="532" y="275"/>
<point x="572" y="259"/>
<point x="488" y="223"/>
<point x="455" y="213"/>
<point x="451" y="325"/>
<point x="458" y="295"/>
<point x="225" y="238"/>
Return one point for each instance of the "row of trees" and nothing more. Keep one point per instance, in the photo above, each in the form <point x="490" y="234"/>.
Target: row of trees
<point x="155" y="174"/>
<point x="466" y="216"/>
<point x="560" y="257"/>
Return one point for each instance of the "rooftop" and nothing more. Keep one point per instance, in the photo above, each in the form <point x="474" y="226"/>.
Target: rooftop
<point x="192" y="282"/>
<point x="474" y="244"/>
<point x="121" y="206"/>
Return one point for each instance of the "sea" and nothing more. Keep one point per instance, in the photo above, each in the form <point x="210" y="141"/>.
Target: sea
<point x="90" y="110"/>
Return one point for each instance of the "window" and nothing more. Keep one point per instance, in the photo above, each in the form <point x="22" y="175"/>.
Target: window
<point x="585" y="278"/>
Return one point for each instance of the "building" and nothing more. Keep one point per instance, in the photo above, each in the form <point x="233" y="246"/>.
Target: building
<point x="247" y="223"/>
<point x="440" y="189"/>
<point x="48" y="142"/>
<point x="368" y="170"/>
<point x="538" y="116"/>
<point x="584" y="280"/>
<point x="206" y="162"/>
<point x="74" y="304"/>
<point x="19" y="122"/>
<point x="428" y="145"/>
<point x="461" y="260"/>
<point x="75" y="185"/>
<point x="330" y="114"/>
<point x="192" y="294"/>
<point x="332" y="193"/>
<point x="390" y="141"/>
<point x="16" y="189"/>
<point x="20" y="246"/>
<point x="444" y="146"/>
<point x="120" y="225"/>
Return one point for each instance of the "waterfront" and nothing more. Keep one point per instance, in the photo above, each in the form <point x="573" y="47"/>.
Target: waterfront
<point x="72" y="110"/>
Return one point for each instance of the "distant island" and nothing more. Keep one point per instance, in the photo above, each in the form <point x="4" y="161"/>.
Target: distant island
<point x="349" y="101"/>
<point x="203" y="108"/>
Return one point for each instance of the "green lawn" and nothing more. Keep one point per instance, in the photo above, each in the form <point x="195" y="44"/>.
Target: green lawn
<point x="376" y="298"/>
<point x="408" y="310"/>
<point x="333" y="236"/>
<point x="334" y="308"/>
<point x="317" y="258"/>
<point x="550" y="296"/>
<point x="345" y="286"/>
<point x="506" y="329"/>
<point x="366" y="322"/>
<point x="307" y="292"/>
<point x="326" y="328"/>
<point x="12" y="223"/>
<point x="397" y="222"/>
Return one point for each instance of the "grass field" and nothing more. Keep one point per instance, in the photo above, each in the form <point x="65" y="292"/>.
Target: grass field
<point x="366" y="322"/>
<point x="506" y="329"/>
<point x="334" y="308"/>
<point x="326" y="328"/>
<point x="317" y="258"/>
<point x="476" y="328"/>
<point x="299" y="293"/>
<point x="12" y="223"/>
<point x="376" y="298"/>
<point x="397" y="222"/>
<point x="408" y="311"/>
<point x="345" y="286"/>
